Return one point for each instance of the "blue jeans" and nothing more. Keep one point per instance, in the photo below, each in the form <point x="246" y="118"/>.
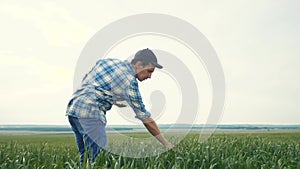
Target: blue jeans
<point x="90" y="136"/>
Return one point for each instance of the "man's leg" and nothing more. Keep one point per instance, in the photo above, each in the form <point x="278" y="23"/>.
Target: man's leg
<point x="95" y="136"/>
<point x="79" y="133"/>
<point x="93" y="149"/>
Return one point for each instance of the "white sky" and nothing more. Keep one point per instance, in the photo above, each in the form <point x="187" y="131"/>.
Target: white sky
<point x="257" y="43"/>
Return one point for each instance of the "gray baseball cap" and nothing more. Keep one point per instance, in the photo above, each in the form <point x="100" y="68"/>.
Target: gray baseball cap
<point x="147" y="56"/>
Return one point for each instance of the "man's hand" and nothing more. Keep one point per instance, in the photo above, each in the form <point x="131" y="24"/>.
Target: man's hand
<point x="169" y="146"/>
<point x="175" y="149"/>
<point x="154" y="130"/>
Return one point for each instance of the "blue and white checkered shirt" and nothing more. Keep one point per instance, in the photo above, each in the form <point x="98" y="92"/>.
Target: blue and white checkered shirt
<point x="110" y="80"/>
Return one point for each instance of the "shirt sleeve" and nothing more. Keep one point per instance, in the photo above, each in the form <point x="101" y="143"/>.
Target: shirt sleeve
<point x="134" y="99"/>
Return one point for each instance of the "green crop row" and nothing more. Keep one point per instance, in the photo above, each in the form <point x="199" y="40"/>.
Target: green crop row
<point x="219" y="151"/>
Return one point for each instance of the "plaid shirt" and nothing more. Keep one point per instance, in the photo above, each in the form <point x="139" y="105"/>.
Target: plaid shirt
<point x="110" y="80"/>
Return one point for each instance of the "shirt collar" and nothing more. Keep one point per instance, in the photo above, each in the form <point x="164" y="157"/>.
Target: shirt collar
<point x="130" y="68"/>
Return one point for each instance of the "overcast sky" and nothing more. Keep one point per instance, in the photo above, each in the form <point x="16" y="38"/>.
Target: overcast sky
<point x="257" y="43"/>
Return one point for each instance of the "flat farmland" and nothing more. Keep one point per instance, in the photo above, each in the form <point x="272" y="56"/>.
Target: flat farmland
<point x="221" y="150"/>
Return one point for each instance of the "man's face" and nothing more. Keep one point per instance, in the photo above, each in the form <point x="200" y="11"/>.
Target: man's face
<point x="143" y="72"/>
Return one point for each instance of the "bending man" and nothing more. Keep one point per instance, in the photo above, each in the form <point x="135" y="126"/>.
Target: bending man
<point x="107" y="83"/>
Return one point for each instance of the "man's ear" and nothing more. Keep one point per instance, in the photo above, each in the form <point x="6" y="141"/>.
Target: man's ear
<point x="139" y="64"/>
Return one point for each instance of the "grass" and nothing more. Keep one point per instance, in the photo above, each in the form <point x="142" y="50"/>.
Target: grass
<point x="243" y="150"/>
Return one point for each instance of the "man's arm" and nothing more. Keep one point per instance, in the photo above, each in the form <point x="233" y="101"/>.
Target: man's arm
<point x="152" y="127"/>
<point x="133" y="97"/>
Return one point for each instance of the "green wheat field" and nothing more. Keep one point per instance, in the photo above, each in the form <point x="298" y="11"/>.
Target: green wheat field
<point x="222" y="150"/>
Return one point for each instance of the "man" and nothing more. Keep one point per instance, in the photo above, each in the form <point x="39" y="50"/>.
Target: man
<point x="110" y="81"/>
